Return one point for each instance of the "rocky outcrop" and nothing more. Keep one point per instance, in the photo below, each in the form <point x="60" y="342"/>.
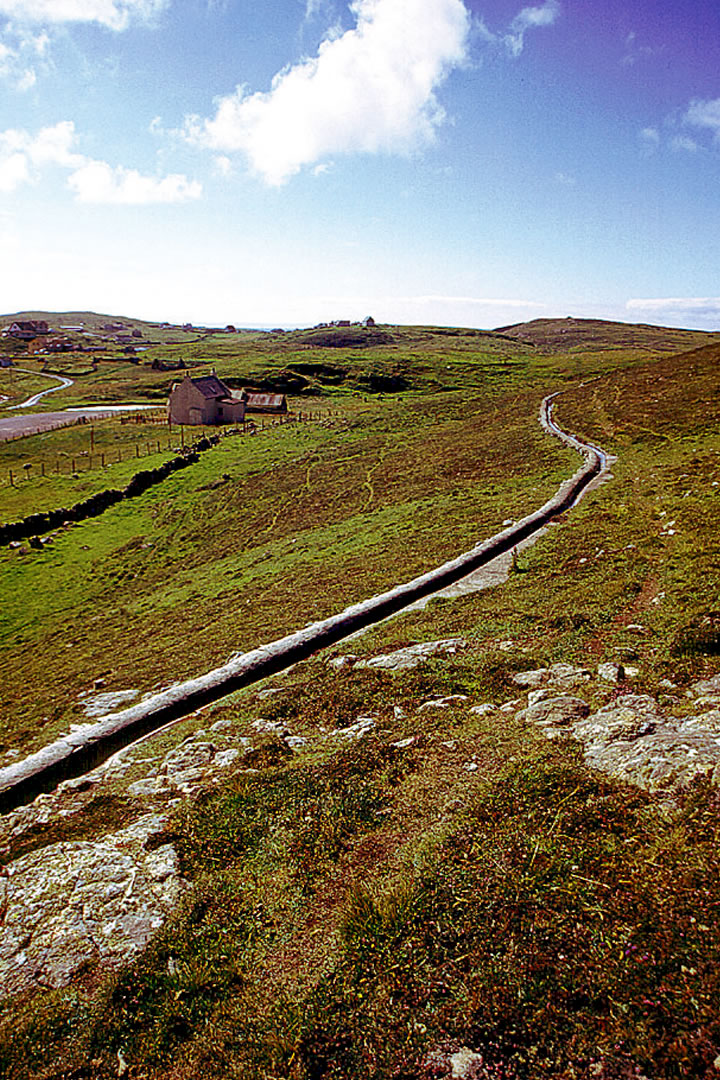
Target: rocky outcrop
<point x="79" y="902"/>
<point x="402" y="659"/>
<point x="633" y="737"/>
<point x="72" y="904"/>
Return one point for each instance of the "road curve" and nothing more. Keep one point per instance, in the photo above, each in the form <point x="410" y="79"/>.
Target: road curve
<point x="43" y="393"/>
<point x="83" y="750"/>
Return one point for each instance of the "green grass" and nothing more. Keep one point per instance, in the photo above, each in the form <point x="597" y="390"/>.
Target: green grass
<point x="357" y="908"/>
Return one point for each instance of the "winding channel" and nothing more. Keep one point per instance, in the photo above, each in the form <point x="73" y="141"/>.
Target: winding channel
<point x="83" y="750"/>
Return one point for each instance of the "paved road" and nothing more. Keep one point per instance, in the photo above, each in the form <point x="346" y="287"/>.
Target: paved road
<point x="50" y="390"/>
<point x="12" y="427"/>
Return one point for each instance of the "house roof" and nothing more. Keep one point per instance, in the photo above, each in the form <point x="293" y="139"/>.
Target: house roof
<point x="266" y="401"/>
<point x="211" y="387"/>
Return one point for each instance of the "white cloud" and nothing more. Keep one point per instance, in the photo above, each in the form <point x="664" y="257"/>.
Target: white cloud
<point x="223" y="165"/>
<point x="13" y="172"/>
<point x="20" y="51"/>
<point x="650" y="139"/>
<point x="684" y="142"/>
<point x="698" y="311"/>
<point x="98" y="182"/>
<point x="370" y="90"/>
<point x="23" y="157"/>
<point x="704" y="114"/>
<point x="114" y="14"/>
<point x="635" y="52"/>
<point x="530" y="18"/>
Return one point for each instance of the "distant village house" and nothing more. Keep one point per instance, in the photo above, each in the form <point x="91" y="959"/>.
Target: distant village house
<point x="26" y="330"/>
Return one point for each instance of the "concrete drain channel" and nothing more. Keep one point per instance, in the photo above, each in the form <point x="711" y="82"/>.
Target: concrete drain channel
<point x="83" y="750"/>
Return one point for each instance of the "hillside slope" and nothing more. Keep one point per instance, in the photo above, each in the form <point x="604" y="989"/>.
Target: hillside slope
<point x="560" y="335"/>
<point x="392" y="871"/>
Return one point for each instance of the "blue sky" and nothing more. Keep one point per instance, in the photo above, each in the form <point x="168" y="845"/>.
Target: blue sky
<point x="459" y="162"/>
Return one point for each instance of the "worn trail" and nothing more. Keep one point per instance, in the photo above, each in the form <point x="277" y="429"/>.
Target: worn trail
<point x="83" y="750"/>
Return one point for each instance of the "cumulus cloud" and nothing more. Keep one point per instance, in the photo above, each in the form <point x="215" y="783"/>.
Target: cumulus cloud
<point x="13" y="172"/>
<point x="370" y="89"/>
<point x="114" y="14"/>
<point x="98" y="182"/>
<point x="23" y="157"/>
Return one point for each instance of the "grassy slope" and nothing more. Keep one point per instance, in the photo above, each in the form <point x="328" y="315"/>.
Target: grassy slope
<point x="355" y="909"/>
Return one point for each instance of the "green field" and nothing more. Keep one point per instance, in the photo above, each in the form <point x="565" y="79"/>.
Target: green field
<point x="353" y="908"/>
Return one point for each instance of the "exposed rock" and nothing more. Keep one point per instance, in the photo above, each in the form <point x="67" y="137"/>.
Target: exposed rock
<point x="484" y="709"/>
<point x="633" y="739"/>
<point x="443" y="702"/>
<point x="404" y="744"/>
<point x="562" y="676"/>
<point x="270" y="727"/>
<point x="707" y="686"/>
<point x="613" y="673"/>
<point x="75" y="903"/>
<point x="556" y="712"/>
<point x="222" y="725"/>
<point x="467" y="1065"/>
<point x="412" y="656"/>
<point x="340" y="662"/>
<point x="358" y="730"/>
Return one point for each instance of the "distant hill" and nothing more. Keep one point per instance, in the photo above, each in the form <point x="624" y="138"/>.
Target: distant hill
<point x="91" y="320"/>
<point x="566" y="334"/>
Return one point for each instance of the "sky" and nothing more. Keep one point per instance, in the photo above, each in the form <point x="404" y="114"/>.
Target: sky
<point x="288" y="162"/>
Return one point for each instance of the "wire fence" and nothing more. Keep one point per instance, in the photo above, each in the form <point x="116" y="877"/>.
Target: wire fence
<point x="177" y="437"/>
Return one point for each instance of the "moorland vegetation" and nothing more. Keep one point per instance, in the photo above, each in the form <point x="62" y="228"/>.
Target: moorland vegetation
<point x="360" y="908"/>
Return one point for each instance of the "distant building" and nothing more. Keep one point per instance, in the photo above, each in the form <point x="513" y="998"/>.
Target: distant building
<point x="206" y="400"/>
<point x="168" y="365"/>
<point x="260" y="402"/>
<point x="26" y="331"/>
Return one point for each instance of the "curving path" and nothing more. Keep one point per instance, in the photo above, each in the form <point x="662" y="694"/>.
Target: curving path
<point x="79" y="752"/>
<point x="43" y="393"/>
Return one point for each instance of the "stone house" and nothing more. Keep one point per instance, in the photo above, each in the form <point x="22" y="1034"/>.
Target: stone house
<point x="205" y="400"/>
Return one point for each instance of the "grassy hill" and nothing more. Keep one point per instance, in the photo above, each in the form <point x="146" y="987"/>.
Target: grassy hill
<point x="562" y="335"/>
<point x="365" y="909"/>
